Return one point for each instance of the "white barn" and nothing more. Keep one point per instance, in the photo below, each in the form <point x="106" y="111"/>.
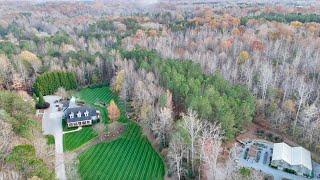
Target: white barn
<point x="294" y="158"/>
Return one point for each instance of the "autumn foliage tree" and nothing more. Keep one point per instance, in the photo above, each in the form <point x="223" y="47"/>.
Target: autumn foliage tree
<point x="117" y="84"/>
<point x="113" y="111"/>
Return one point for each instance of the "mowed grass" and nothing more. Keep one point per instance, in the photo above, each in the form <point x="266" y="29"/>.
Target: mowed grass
<point x="131" y="156"/>
<point x="74" y="140"/>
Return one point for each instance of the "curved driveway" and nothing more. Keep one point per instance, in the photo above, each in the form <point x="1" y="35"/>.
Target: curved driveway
<point x="51" y="124"/>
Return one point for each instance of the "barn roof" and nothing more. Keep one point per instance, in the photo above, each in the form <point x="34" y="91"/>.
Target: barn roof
<point x="292" y="155"/>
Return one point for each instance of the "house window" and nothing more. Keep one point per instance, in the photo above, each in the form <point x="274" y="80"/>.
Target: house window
<point x="79" y="114"/>
<point x="71" y="115"/>
<point x="86" y="113"/>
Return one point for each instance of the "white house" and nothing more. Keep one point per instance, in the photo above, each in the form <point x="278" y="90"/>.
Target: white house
<point x="79" y="115"/>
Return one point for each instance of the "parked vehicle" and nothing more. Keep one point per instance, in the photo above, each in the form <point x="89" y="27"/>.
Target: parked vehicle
<point x="265" y="157"/>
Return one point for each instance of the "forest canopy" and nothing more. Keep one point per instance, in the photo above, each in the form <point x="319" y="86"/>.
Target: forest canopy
<point x="24" y="158"/>
<point x="285" y="18"/>
<point x="214" y="98"/>
<point x="17" y="112"/>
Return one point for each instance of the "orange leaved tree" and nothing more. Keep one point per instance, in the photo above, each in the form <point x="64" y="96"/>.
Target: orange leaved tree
<point x="113" y="111"/>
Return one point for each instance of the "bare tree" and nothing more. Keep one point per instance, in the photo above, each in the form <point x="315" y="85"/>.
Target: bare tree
<point x="193" y="127"/>
<point x="210" y="144"/>
<point x="176" y="153"/>
<point x="265" y="79"/>
<point x="303" y="93"/>
<point x="163" y="127"/>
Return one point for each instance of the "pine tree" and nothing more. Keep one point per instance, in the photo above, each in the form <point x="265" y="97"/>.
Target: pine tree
<point x="41" y="102"/>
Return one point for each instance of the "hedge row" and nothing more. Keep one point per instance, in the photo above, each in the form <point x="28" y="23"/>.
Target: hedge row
<point x="49" y="82"/>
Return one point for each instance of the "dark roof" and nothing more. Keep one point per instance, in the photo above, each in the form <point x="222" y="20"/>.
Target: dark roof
<point x="65" y="104"/>
<point x="82" y="109"/>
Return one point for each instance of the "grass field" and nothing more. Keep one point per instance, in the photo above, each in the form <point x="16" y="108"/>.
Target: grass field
<point x="131" y="156"/>
<point x="74" y="140"/>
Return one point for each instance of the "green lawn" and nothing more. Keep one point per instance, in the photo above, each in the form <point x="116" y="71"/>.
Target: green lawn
<point x="131" y="156"/>
<point x="74" y="140"/>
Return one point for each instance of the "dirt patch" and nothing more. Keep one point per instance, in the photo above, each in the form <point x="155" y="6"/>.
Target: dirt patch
<point x="114" y="130"/>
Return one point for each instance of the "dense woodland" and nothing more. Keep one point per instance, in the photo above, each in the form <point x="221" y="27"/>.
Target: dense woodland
<point x="194" y="76"/>
<point x="211" y="96"/>
<point x="23" y="148"/>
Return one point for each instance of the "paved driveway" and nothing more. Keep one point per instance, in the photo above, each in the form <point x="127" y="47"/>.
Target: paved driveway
<point x="51" y="124"/>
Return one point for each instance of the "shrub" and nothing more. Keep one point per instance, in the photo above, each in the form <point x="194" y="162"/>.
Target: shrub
<point x="291" y="171"/>
<point x="274" y="166"/>
<point x="41" y="104"/>
<point x="50" y="139"/>
<point x="44" y="106"/>
<point x="245" y="172"/>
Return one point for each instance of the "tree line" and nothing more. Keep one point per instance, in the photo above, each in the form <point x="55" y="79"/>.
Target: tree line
<point x="284" y="18"/>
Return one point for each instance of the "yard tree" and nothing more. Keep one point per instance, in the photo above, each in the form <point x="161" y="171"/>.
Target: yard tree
<point x="41" y="101"/>
<point x="113" y="111"/>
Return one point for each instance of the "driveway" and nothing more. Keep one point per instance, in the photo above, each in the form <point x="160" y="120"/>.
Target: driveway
<point x="51" y="124"/>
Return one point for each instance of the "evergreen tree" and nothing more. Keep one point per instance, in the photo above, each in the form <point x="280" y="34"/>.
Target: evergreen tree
<point x="41" y="102"/>
<point x="49" y="82"/>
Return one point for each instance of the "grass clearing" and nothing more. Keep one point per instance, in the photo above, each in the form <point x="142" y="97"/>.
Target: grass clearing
<point x="131" y="156"/>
